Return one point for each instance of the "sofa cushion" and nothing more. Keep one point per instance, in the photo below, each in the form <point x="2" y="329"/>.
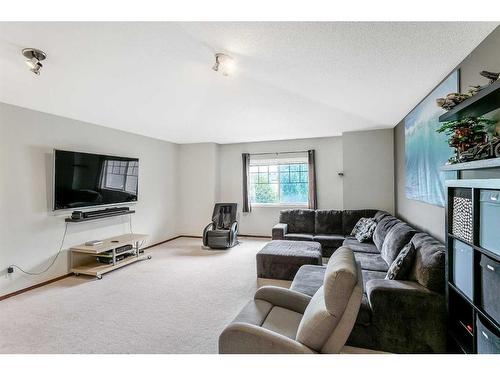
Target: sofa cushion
<point x="299" y="221"/>
<point x="383" y="226"/>
<point x="328" y="221"/>
<point x="397" y="237"/>
<point x="351" y="217"/>
<point x="299" y="237"/>
<point x="429" y="265"/>
<point x="371" y="262"/>
<point x="360" y="247"/>
<point x="379" y="215"/>
<point x="308" y="279"/>
<point x="365" y="233"/>
<point x="329" y="240"/>
<point x="359" y="225"/>
<point x="400" y="268"/>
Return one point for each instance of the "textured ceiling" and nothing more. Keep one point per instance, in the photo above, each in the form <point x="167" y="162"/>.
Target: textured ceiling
<point x="293" y="80"/>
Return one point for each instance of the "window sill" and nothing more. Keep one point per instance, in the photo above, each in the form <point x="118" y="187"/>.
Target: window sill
<point x="279" y="205"/>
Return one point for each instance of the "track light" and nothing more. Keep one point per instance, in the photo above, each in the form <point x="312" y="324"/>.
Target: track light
<point x="34" y="56"/>
<point x="224" y="64"/>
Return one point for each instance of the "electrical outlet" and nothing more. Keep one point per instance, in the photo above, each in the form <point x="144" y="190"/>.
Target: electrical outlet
<point x="10" y="270"/>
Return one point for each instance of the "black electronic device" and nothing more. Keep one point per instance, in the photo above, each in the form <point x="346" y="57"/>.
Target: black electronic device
<point x="76" y="215"/>
<point x="85" y="180"/>
<point x="123" y="249"/>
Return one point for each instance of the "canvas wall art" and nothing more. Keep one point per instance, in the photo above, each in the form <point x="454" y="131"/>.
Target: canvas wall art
<point x="426" y="150"/>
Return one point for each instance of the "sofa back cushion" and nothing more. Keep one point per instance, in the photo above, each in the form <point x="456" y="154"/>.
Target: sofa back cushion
<point x="397" y="237"/>
<point x="330" y="301"/>
<point x="379" y="215"/>
<point x="299" y="221"/>
<point x="351" y="217"/>
<point x="429" y="265"/>
<point x="383" y="226"/>
<point x="328" y="222"/>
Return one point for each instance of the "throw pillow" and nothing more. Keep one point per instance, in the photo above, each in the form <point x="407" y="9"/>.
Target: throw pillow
<point x="365" y="233"/>
<point x="401" y="266"/>
<point x="358" y="226"/>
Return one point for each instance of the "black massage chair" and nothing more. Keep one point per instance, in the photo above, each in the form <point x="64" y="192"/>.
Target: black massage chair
<point x="222" y="232"/>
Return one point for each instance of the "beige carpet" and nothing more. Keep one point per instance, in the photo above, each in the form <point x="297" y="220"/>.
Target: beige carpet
<point x="177" y="302"/>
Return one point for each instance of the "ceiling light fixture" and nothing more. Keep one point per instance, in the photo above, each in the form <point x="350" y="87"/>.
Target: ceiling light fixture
<point x="34" y="56"/>
<point x="224" y="64"/>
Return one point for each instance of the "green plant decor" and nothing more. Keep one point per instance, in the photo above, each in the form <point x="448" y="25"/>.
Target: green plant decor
<point x="466" y="134"/>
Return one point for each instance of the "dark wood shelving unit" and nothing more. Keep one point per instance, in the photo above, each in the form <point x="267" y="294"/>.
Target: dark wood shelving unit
<point x="464" y="304"/>
<point x="486" y="100"/>
<point x="111" y="214"/>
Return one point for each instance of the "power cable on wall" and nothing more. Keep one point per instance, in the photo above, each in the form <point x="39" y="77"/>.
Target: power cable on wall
<point x="51" y="263"/>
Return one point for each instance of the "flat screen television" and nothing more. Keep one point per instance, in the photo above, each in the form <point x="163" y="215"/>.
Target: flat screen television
<point x="87" y="180"/>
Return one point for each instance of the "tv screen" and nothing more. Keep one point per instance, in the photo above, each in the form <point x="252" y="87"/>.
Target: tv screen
<point x="83" y="180"/>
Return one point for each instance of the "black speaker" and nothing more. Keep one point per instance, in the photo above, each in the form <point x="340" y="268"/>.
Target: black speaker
<point x="77" y="215"/>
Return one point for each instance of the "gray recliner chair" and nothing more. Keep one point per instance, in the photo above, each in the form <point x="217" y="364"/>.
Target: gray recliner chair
<point x="283" y="321"/>
<point x="222" y="232"/>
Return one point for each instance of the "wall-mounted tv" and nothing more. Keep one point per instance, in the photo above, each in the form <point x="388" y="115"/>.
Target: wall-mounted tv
<point x="85" y="180"/>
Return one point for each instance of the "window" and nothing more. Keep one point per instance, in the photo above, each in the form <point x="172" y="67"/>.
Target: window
<point x="121" y="175"/>
<point x="279" y="184"/>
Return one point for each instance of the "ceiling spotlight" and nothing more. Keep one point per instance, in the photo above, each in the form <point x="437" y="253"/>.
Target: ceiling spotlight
<point x="34" y="56"/>
<point x="224" y="64"/>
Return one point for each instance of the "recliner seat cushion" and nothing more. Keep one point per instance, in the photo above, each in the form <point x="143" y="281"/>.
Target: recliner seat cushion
<point x="397" y="237"/>
<point x="360" y="247"/>
<point x="299" y="221"/>
<point x="371" y="262"/>
<point x="283" y="321"/>
<point x="383" y="226"/>
<point x="328" y="222"/>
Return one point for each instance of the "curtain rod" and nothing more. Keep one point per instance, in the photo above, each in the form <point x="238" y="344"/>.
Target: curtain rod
<point x="279" y="153"/>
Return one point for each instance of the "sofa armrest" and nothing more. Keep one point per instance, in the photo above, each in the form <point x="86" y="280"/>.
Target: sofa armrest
<point x="279" y="231"/>
<point x="283" y="297"/>
<point x="409" y="317"/>
<point x="244" y="338"/>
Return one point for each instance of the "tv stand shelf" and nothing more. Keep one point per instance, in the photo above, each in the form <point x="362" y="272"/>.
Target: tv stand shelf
<point x="92" y="268"/>
<point x="111" y="214"/>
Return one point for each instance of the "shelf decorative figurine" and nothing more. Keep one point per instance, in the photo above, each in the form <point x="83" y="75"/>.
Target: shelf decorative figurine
<point x="473" y="138"/>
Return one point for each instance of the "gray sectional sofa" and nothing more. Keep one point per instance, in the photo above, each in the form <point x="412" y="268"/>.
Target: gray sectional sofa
<point x="401" y="316"/>
<point x="328" y="227"/>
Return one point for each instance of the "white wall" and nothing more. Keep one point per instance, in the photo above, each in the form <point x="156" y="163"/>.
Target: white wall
<point x="369" y="169"/>
<point x="178" y="185"/>
<point x="198" y="178"/>
<point x="30" y="233"/>
<point x="419" y="214"/>
<point x="261" y="219"/>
